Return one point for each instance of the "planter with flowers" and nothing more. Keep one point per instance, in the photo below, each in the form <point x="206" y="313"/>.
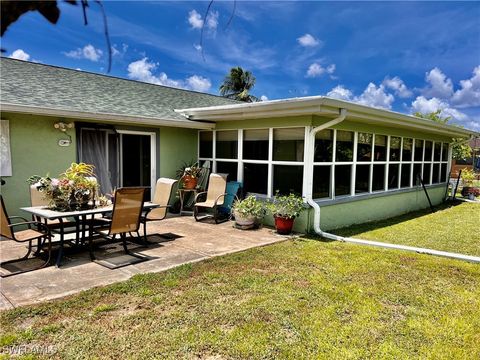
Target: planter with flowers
<point x="285" y="208"/>
<point x="248" y="212"/>
<point x="189" y="174"/>
<point x="75" y="189"/>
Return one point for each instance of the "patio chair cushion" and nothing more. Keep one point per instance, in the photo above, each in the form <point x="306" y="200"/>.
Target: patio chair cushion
<point x="207" y="204"/>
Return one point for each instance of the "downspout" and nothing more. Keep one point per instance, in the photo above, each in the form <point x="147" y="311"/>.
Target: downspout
<point x="309" y="199"/>
<point x="316" y="209"/>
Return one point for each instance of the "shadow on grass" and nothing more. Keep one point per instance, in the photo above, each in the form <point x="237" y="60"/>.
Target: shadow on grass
<point x="356" y="229"/>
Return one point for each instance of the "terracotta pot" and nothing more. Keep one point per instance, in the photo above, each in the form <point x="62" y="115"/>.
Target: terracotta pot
<point x="283" y="225"/>
<point x="189" y="182"/>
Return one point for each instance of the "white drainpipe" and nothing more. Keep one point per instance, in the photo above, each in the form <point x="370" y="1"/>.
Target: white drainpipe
<point x="316" y="207"/>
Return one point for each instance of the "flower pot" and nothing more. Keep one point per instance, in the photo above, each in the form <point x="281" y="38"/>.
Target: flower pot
<point x="284" y="225"/>
<point x="471" y="196"/>
<point x="244" y="221"/>
<point x="467" y="190"/>
<point x="189" y="182"/>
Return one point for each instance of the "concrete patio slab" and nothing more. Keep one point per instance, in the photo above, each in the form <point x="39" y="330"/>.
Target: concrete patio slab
<point x="185" y="241"/>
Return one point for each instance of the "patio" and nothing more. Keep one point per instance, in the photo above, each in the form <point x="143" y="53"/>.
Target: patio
<point x="185" y="241"/>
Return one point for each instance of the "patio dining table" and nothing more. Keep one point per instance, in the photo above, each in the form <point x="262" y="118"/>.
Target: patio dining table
<point x="84" y="221"/>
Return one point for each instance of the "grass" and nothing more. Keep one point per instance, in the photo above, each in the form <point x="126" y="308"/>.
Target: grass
<point x="298" y="299"/>
<point x="450" y="228"/>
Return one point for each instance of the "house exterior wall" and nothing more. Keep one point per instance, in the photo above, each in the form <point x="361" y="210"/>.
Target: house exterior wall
<point x="35" y="151"/>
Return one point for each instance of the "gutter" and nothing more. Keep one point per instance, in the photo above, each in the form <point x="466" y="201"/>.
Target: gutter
<point x="327" y="235"/>
<point x="106" y="117"/>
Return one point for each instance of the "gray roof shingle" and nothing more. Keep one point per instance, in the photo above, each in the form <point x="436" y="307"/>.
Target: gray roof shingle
<point x="32" y="84"/>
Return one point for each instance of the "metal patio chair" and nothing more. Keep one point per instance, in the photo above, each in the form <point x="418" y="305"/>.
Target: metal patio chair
<point x="127" y="210"/>
<point x="215" y="197"/>
<point x="162" y="198"/>
<point x="41" y="234"/>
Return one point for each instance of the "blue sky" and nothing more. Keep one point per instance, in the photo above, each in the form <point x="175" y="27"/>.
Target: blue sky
<point x="403" y="56"/>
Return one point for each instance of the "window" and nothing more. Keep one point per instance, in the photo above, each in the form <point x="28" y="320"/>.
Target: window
<point x="362" y="177"/>
<point x="418" y="150"/>
<point x="206" y="144"/>
<point x="405" y="180"/>
<point x="427" y="168"/>
<point x="380" y="148"/>
<point x="321" y="182"/>
<point x="288" y="144"/>
<point x="435" y="173"/>
<point x="287" y="179"/>
<point x="255" y="144"/>
<point x="407" y="149"/>
<point x="344" y="144"/>
<point x="342" y="179"/>
<point x="417" y="171"/>
<point x="378" y="178"/>
<point x="324" y="146"/>
<point x="393" y="170"/>
<point x="364" y="147"/>
<point x="227" y="144"/>
<point x="229" y="168"/>
<point x="255" y="178"/>
<point x="428" y="151"/>
<point x="437" y="151"/>
<point x="395" y="148"/>
<point x="445" y="152"/>
<point x="443" y="173"/>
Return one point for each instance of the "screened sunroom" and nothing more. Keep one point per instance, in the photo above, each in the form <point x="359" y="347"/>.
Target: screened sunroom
<point x="358" y="163"/>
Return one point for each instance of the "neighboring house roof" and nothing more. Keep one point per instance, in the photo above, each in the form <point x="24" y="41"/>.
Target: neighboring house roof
<point x="321" y="106"/>
<point x="28" y="87"/>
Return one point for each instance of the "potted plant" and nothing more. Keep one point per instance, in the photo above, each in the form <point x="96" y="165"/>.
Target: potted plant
<point x="469" y="190"/>
<point x="285" y="208"/>
<point x="188" y="174"/>
<point x="248" y="212"/>
<point x="75" y="189"/>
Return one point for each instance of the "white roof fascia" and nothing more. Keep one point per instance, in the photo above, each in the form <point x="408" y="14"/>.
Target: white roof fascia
<point x="319" y="105"/>
<point x="105" y="117"/>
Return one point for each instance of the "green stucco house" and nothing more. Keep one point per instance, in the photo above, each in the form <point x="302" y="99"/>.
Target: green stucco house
<point x="352" y="163"/>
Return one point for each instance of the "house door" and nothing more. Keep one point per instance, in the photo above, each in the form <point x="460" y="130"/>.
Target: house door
<point x="121" y="158"/>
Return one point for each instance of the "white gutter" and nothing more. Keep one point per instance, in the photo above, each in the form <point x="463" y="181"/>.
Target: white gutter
<point x="106" y="117"/>
<point x="316" y="208"/>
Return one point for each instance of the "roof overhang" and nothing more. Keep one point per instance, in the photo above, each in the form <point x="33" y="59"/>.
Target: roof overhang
<point x="322" y="106"/>
<point x="105" y="117"/>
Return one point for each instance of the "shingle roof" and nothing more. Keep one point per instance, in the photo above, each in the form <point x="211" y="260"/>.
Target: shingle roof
<point x="44" y="86"/>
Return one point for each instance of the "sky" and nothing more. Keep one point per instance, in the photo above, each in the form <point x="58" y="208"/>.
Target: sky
<point x="401" y="56"/>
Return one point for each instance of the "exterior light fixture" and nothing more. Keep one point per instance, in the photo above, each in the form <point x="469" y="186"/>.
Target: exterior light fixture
<point x="63" y="127"/>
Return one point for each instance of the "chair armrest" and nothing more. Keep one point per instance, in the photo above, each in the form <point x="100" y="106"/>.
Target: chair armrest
<point x="218" y="198"/>
<point x="198" y="195"/>
<point x="18" y="217"/>
<point x="29" y="223"/>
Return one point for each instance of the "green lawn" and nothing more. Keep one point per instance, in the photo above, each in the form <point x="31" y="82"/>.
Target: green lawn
<point x="455" y="229"/>
<point x="297" y="299"/>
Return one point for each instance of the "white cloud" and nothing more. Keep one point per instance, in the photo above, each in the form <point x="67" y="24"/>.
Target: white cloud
<point x="424" y="105"/>
<point x="198" y="83"/>
<point x="316" y="70"/>
<point x="376" y="97"/>
<point x="396" y="84"/>
<point x="88" y="52"/>
<point x="469" y="93"/>
<point x="308" y="40"/>
<point x="263" y="98"/>
<point x="372" y="96"/>
<point x="142" y="70"/>
<point x="340" y="92"/>
<point x="117" y="52"/>
<point x="212" y="20"/>
<point x="19" y="54"/>
<point x="439" y="85"/>
<point x="195" y="19"/>
<point x="197" y="47"/>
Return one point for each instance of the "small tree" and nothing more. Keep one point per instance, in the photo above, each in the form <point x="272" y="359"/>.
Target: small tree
<point x="460" y="150"/>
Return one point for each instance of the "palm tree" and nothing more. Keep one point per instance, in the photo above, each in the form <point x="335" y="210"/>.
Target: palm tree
<point x="237" y="84"/>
